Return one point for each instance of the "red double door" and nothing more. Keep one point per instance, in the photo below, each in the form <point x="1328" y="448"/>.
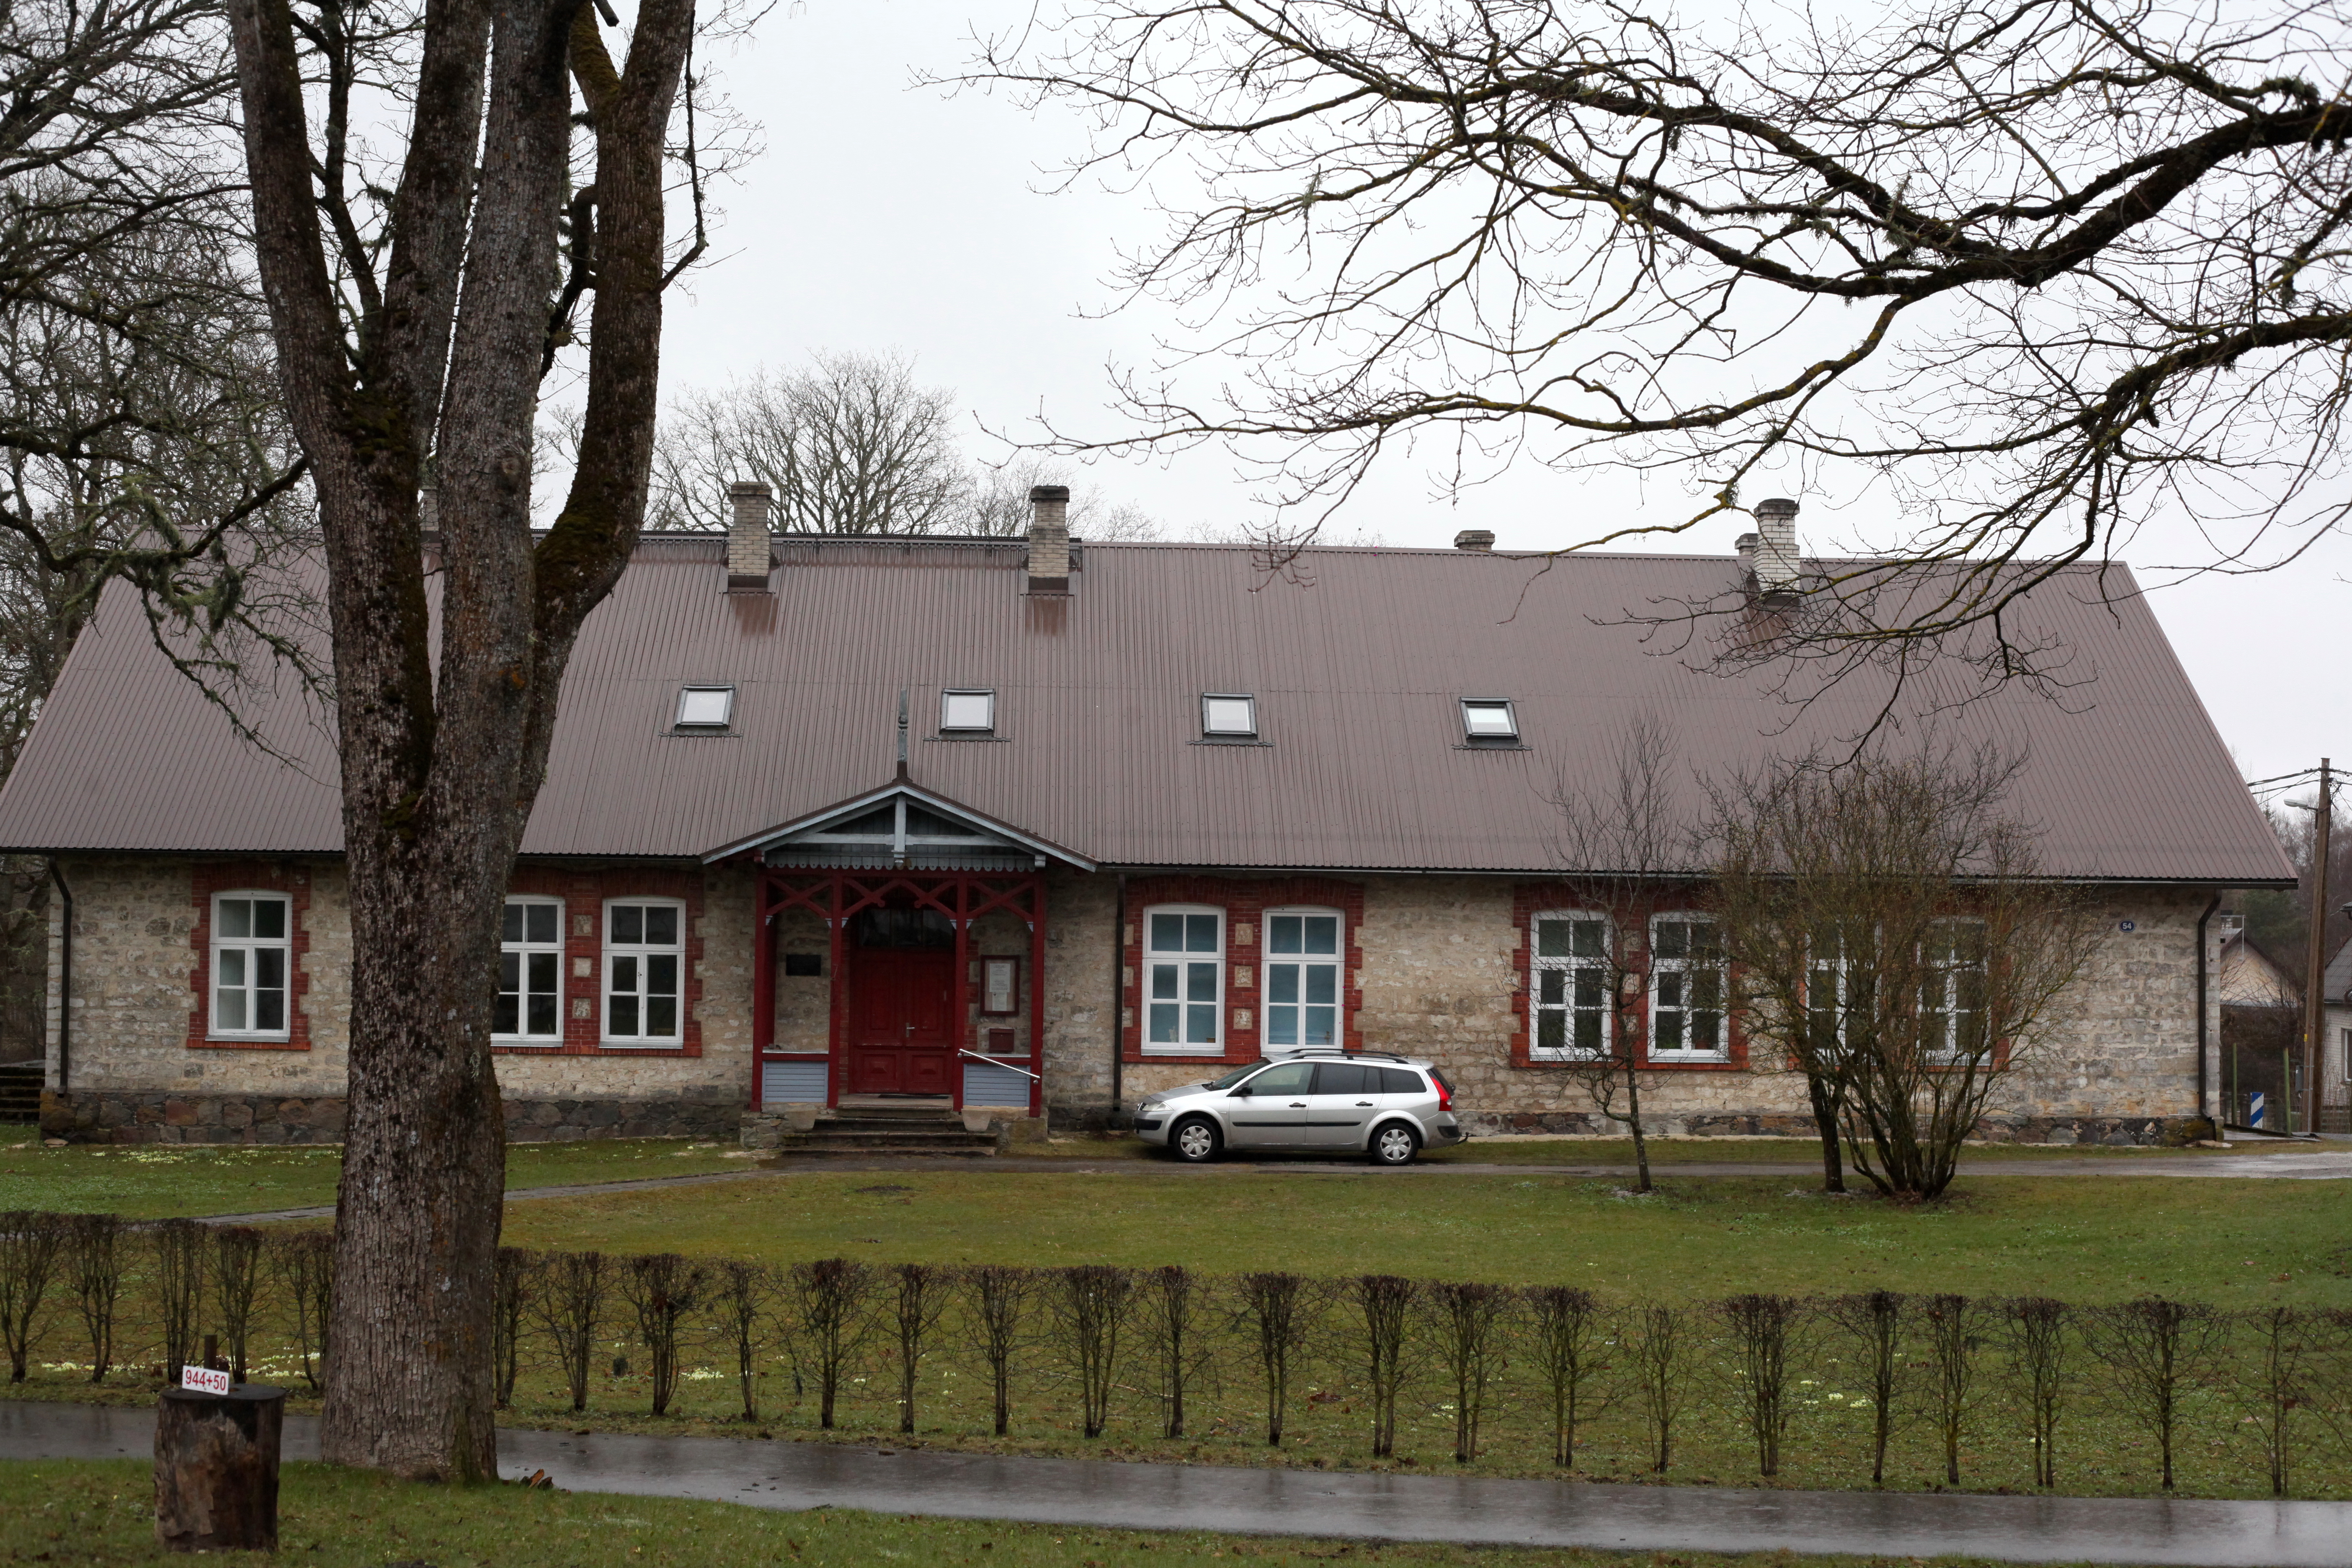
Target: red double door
<point x="902" y="1033"/>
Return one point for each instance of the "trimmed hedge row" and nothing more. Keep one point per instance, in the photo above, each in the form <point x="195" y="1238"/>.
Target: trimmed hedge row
<point x="1090" y="1343"/>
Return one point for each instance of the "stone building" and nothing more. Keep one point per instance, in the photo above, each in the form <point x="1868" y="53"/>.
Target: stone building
<point x="1033" y="826"/>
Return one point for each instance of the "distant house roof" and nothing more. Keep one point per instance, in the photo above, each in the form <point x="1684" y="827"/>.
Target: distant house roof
<point x="2250" y="975"/>
<point x="1359" y="666"/>
<point x="2335" y="981"/>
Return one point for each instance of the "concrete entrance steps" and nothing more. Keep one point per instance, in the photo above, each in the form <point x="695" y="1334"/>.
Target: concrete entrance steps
<point x="863" y="1126"/>
<point x="20" y="1092"/>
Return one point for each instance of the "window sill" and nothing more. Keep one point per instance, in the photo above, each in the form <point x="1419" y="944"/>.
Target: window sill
<point x="989" y="739"/>
<point x="1235" y="741"/>
<point x="1206" y="1055"/>
<point x="1492" y="746"/>
<point x="635" y="1046"/>
<point x="254" y="1043"/>
<point x="1669" y="1063"/>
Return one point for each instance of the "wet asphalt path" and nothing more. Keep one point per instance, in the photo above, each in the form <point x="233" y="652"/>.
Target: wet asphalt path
<point x="1462" y="1508"/>
<point x="2314" y="1167"/>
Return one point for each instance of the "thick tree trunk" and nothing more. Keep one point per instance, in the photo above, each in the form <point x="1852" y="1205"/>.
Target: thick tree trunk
<point x="440" y="766"/>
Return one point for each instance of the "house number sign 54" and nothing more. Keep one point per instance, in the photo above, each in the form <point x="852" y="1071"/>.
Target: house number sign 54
<point x="2127" y="925"/>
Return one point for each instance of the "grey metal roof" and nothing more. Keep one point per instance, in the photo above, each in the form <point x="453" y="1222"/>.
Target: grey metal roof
<point x="1357" y="670"/>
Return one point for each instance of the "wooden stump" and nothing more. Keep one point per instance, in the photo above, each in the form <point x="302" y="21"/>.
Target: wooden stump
<point x="217" y="1468"/>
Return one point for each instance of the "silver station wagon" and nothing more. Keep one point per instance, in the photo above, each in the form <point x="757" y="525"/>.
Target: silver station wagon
<point x="1359" y="1102"/>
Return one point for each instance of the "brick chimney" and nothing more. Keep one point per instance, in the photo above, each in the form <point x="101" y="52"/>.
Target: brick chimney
<point x="749" y="556"/>
<point x="1049" y="539"/>
<point x="1475" y="539"/>
<point x="1776" y="550"/>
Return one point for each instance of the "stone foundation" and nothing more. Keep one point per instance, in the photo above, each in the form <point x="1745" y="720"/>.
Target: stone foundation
<point x="124" y="1118"/>
<point x="2111" y="1131"/>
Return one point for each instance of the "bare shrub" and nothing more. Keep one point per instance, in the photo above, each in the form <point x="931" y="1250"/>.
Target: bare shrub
<point x="832" y="1298"/>
<point x="94" y="1257"/>
<point x="30" y="1242"/>
<point x="1875" y="1319"/>
<point x="2276" y="1389"/>
<point x="919" y="1299"/>
<point x="1466" y="1323"/>
<point x="2155" y="1349"/>
<point x="1385" y="1303"/>
<point x="1659" y="1350"/>
<point x="662" y="1289"/>
<point x="1951" y="1324"/>
<point x="305" y="1265"/>
<point x="1277" y="1310"/>
<point x="514" y="1285"/>
<point x="180" y="1246"/>
<point x="2038" y="1342"/>
<point x="1762" y="1327"/>
<point x="236" y="1281"/>
<point x="1000" y="1312"/>
<point x="569" y="1305"/>
<point x="745" y="1297"/>
<point x="1090" y="1302"/>
<point x="1168" y="1300"/>
<point x="1571" y="1350"/>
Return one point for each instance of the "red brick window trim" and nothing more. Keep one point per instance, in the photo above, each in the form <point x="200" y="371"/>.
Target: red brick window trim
<point x="208" y="881"/>
<point x="1244" y="902"/>
<point x="1637" y="918"/>
<point x="584" y="893"/>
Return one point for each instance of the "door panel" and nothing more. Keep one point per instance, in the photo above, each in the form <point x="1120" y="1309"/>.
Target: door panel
<point x="1342" y="1099"/>
<point x="902" y="1031"/>
<point x="1273" y="1115"/>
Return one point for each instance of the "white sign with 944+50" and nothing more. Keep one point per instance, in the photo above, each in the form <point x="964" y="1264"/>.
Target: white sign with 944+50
<point x="203" y="1380"/>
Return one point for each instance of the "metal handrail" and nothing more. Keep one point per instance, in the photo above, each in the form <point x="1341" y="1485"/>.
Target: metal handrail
<point x="997" y="1062"/>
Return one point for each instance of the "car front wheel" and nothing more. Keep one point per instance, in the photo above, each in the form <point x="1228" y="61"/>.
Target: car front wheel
<point x="1195" y="1141"/>
<point x="1395" y="1145"/>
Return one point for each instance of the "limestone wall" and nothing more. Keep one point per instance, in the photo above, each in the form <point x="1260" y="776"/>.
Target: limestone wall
<point x="1440" y="965"/>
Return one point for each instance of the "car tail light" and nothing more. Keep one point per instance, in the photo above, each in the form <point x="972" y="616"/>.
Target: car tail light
<point x="1445" y="1089"/>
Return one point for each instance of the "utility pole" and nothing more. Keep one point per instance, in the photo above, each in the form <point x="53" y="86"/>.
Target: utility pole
<point x="2314" y="1000"/>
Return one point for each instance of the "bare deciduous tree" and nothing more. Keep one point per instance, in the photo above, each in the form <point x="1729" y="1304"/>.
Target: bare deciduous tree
<point x="2037" y="270"/>
<point x="852" y="445"/>
<point x="424" y="236"/>
<point x="1891" y="932"/>
<point x="1624" y="846"/>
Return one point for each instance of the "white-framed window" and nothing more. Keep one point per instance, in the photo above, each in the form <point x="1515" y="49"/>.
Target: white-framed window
<point x="1687" y="982"/>
<point x="253" y="954"/>
<point x="1829" y="987"/>
<point x="1570" y="966"/>
<point x="1227" y="717"/>
<point x="1303" y="976"/>
<point x="968" y="711"/>
<point x="530" y="971"/>
<point x="705" y="707"/>
<point x="644" y="964"/>
<point x="1951" y="1002"/>
<point x="1183" y="979"/>
<point x="1491" y="719"/>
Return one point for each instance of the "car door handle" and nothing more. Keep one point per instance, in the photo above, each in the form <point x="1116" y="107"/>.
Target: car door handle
<point x="1363" y="1105"/>
<point x="1297" y="1105"/>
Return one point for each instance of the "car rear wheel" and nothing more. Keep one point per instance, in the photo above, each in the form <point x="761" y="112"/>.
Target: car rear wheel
<point x="1395" y="1145"/>
<point x="1195" y="1140"/>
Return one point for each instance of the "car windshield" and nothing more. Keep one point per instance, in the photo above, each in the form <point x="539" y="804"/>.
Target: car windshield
<point x="1233" y="1077"/>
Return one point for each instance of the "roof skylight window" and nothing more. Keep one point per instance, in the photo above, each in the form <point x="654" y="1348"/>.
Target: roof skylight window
<point x="967" y="712"/>
<point x="1229" y="718"/>
<point x="705" y="707"/>
<point x="1489" y="719"/>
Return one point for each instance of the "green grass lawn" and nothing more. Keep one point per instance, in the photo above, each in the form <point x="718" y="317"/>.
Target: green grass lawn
<point x="1529" y="1150"/>
<point x="2229" y="1242"/>
<point x="2236" y="1244"/>
<point x="101" y="1513"/>
<point x="154" y="1180"/>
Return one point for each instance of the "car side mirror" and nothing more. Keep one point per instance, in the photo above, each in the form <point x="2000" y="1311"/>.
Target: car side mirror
<point x="1241" y="1093"/>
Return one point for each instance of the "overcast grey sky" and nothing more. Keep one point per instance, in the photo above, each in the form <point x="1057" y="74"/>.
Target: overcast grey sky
<point x="886" y="216"/>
